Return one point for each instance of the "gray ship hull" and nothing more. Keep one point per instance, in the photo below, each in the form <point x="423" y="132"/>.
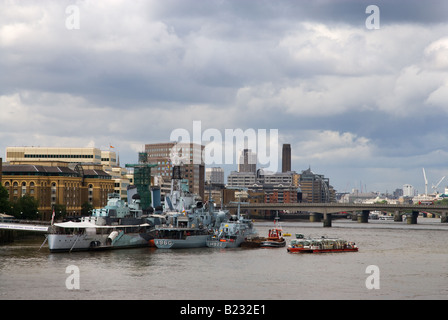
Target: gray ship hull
<point x="216" y="243"/>
<point x="195" y="241"/>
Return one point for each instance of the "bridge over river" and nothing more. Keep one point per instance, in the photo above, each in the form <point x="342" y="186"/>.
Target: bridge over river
<point x="325" y="210"/>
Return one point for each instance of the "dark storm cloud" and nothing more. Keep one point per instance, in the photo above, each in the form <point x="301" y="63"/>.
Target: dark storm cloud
<point x="344" y="96"/>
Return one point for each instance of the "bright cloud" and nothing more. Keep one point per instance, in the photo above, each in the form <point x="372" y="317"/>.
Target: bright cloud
<point x="342" y="95"/>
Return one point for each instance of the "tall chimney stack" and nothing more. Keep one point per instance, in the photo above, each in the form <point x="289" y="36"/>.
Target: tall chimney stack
<point x="286" y="158"/>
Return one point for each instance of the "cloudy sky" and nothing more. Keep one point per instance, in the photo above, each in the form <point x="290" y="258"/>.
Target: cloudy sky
<point x="365" y="107"/>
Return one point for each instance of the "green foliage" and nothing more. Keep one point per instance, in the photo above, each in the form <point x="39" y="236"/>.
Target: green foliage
<point x="25" y="207"/>
<point x="86" y="209"/>
<point x="443" y="202"/>
<point x="5" y="205"/>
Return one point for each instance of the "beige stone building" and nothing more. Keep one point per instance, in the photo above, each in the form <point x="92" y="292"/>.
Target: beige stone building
<point x="58" y="183"/>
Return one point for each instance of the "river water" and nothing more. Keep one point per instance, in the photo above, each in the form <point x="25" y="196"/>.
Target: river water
<point x="411" y="262"/>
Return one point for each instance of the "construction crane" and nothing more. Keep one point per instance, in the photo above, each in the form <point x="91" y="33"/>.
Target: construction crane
<point x="437" y="185"/>
<point x="426" y="182"/>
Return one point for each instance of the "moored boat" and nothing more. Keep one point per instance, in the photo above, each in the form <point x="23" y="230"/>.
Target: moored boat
<point x="232" y="233"/>
<point x="117" y="225"/>
<point x="320" y="245"/>
<point x="188" y="223"/>
<point x="190" y="229"/>
<point x="273" y="240"/>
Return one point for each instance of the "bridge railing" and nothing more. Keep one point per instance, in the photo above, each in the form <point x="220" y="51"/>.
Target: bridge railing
<point x="341" y="206"/>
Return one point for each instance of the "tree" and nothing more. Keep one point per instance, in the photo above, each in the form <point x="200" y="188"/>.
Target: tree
<point x="86" y="209"/>
<point x="5" y="205"/>
<point x="25" y="207"/>
<point x="443" y="202"/>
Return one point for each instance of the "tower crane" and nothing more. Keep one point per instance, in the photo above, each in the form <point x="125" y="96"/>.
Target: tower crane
<point x="437" y="185"/>
<point x="426" y="182"/>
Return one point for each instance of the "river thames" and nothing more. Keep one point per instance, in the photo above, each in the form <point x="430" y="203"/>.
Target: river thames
<point x="410" y="260"/>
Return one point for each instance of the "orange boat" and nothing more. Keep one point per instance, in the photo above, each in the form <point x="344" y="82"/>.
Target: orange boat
<point x="320" y="245"/>
<point x="274" y="239"/>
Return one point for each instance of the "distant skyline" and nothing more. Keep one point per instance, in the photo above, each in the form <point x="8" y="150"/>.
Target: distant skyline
<point x="361" y="106"/>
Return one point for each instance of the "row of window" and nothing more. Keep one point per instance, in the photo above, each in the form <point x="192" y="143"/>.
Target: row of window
<point x="62" y="156"/>
<point x="44" y="174"/>
<point x="32" y="184"/>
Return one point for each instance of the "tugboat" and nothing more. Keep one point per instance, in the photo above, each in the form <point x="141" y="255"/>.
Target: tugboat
<point x="274" y="240"/>
<point x="232" y="233"/>
<point x="117" y="225"/>
<point x="320" y="245"/>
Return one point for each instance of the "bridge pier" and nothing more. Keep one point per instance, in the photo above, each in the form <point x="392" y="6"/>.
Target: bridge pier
<point x="354" y="216"/>
<point x="327" y="220"/>
<point x="412" y="218"/>
<point x="397" y="216"/>
<point x="364" y="216"/>
<point x="444" y="217"/>
<point x="315" y="217"/>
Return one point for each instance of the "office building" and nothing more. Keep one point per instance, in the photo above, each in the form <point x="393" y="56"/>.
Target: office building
<point x="109" y="159"/>
<point x="188" y="156"/>
<point x="78" y="155"/>
<point x="214" y="176"/>
<point x="247" y="161"/>
<point x="280" y="187"/>
<point x="408" y="190"/>
<point x="241" y="179"/>
<point x="316" y="188"/>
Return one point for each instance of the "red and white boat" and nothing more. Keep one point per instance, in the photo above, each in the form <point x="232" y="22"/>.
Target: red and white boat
<point x="320" y="245"/>
<point x="275" y="239"/>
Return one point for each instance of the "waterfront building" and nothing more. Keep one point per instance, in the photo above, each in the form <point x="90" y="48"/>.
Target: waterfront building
<point x="58" y="183"/>
<point x="241" y="179"/>
<point x="107" y="159"/>
<point x="122" y="177"/>
<point x="249" y="179"/>
<point x="316" y="188"/>
<point x="78" y="155"/>
<point x="189" y="156"/>
<point x="280" y="187"/>
<point x="281" y="194"/>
